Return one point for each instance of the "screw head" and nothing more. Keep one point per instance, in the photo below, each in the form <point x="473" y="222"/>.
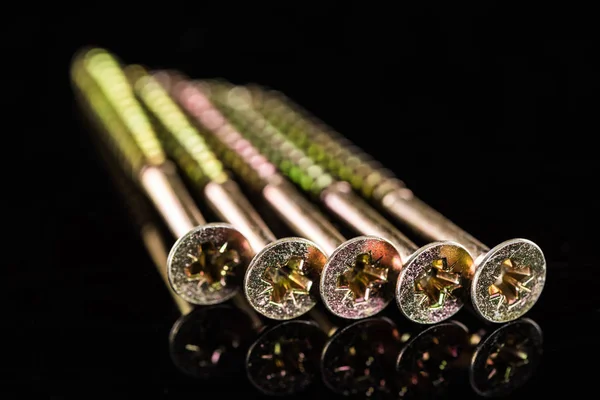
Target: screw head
<point x="285" y="359"/>
<point x="281" y="282"/>
<point x="357" y="280"/>
<point x="431" y="285"/>
<point x="205" y="265"/>
<point x="508" y="280"/>
<point x="507" y="358"/>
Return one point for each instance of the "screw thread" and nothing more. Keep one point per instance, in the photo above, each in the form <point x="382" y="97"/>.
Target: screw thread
<point x="328" y="148"/>
<point x="235" y="103"/>
<point x="110" y="101"/>
<point x="237" y="153"/>
<point x="183" y="140"/>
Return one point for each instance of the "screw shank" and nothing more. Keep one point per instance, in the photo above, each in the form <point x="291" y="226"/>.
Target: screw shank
<point x="300" y="215"/>
<point x="165" y="196"/>
<point x="228" y="202"/>
<point x="427" y="222"/>
<point x="341" y="200"/>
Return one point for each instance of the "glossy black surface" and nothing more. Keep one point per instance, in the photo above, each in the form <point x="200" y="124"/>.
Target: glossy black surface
<point x="484" y="112"/>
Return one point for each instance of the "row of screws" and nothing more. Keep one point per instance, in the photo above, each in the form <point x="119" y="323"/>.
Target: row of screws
<point x="254" y="132"/>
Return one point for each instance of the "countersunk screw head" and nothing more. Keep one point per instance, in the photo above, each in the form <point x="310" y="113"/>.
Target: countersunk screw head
<point x="205" y="265"/>
<point x="508" y="280"/>
<point x="432" y="282"/>
<point x="357" y="279"/>
<point x="281" y="280"/>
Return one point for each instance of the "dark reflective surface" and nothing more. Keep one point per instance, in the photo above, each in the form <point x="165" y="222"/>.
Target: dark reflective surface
<point x="507" y="358"/>
<point x="284" y="360"/>
<point x="210" y="342"/>
<point x="432" y="359"/>
<point x="359" y="359"/>
<point x="371" y="358"/>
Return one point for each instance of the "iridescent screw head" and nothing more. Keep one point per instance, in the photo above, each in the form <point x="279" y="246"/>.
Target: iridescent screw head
<point x="206" y="265"/>
<point x="508" y="280"/>
<point x="282" y="279"/>
<point x="431" y="285"/>
<point x="358" y="278"/>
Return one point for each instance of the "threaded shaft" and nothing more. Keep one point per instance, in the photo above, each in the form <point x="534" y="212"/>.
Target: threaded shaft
<point x="110" y="100"/>
<point x="235" y="104"/>
<point x="236" y="152"/>
<point x="325" y="146"/>
<point x="183" y="140"/>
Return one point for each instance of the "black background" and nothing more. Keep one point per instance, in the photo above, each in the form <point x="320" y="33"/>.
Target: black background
<point x="486" y="113"/>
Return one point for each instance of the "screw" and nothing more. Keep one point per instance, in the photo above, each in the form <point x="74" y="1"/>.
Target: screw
<point x="355" y="267"/>
<point x="197" y="272"/>
<point x="505" y="282"/>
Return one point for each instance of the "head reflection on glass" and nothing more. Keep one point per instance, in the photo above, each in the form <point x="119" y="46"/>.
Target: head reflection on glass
<point x="210" y="342"/>
<point x="284" y="360"/>
<point x="359" y="359"/>
<point x="435" y="361"/>
<point x="432" y="359"/>
<point x="505" y="360"/>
